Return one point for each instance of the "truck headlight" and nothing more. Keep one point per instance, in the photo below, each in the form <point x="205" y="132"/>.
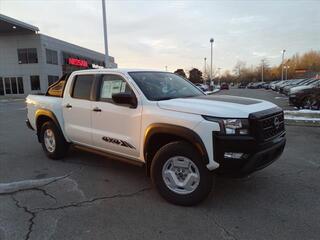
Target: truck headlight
<point x="232" y="126"/>
<point x="236" y="126"/>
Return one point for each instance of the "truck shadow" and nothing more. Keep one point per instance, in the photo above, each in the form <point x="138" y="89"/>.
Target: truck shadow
<point x="231" y="192"/>
<point x="227" y="191"/>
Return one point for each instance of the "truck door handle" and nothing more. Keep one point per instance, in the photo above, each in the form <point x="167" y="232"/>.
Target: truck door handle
<point x="96" y="109"/>
<point x="68" y="106"/>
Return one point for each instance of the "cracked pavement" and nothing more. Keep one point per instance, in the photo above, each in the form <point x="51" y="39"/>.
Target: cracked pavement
<point x="87" y="196"/>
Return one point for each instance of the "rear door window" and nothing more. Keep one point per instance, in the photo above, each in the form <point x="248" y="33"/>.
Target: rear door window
<point x="82" y="87"/>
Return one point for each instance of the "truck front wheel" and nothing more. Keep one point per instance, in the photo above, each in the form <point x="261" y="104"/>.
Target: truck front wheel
<point x="180" y="175"/>
<point x="52" y="141"/>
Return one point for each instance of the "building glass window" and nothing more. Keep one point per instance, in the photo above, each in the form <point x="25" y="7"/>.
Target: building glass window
<point x="20" y="85"/>
<point x="14" y="87"/>
<point x="1" y="87"/>
<point x="35" y="83"/>
<point x="52" y="56"/>
<point x="7" y="85"/>
<point x="52" y="79"/>
<point x="27" y="55"/>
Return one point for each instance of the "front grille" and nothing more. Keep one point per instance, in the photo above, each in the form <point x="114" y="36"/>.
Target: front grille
<point x="272" y="126"/>
<point x="267" y="125"/>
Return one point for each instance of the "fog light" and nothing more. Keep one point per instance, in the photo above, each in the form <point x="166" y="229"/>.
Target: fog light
<point x="244" y="131"/>
<point x="233" y="155"/>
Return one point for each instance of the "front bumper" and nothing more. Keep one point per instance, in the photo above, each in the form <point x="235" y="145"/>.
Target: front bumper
<point x="255" y="156"/>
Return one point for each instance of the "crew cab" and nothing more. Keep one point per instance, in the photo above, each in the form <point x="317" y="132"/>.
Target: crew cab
<point x="161" y="121"/>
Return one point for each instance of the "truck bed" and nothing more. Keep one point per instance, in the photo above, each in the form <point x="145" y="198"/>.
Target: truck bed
<point x="37" y="102"/>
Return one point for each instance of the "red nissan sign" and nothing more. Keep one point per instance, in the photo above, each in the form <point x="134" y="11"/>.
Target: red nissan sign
<point x="77" y="62"/>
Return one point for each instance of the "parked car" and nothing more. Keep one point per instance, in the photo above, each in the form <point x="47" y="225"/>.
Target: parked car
<point x="217" y="86"/>
<point x="224" y="86"/>
<point x="273" y="85"/>
<point x="306" y="98"/>
<point x="256" y="85"/>
<point x="264" y="85"/>
<point x="250" y="84"/>
<point x="203" y="87"/>
<point x="280" y="84"/>
<point x="311" y="84"/>
<point x="242" y="85"/>
<point x="161" y="121"/>
<point x="290" y="82"/>
<point x="268" y="85"/>
<point x="304" y="82"/>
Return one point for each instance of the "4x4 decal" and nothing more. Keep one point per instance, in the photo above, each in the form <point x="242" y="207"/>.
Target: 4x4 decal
<point x="118" y="142"/>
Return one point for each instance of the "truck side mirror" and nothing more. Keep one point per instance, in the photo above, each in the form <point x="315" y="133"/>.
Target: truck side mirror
<point x="125" y="98"/>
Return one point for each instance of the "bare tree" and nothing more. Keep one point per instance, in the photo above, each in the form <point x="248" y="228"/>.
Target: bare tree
<point x="180" y="72"/>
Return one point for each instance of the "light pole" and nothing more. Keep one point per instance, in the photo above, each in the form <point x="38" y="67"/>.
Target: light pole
<point x="106" y="54"/>
<point x="205" y="69"/>
<point x="262" y="65"/>
<point x="283" y="51"/>
<point x="286" y="67"/>
<point x="211" y="42"/>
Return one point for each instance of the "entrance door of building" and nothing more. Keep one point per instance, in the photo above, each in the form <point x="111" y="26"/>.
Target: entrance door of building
<point x="1" y="87"/>
<point x="11" y="85"/>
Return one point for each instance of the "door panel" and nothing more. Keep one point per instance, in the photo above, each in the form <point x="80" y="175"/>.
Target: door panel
<point x="77" y="117"/>
<point x="77" y="110"/>
<point x="116" y="128"/>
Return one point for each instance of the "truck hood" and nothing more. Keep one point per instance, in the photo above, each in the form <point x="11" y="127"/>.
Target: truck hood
<point x="223" y="106"/>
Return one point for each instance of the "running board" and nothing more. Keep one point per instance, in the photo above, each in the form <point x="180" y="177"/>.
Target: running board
<point x="109" y="155"/>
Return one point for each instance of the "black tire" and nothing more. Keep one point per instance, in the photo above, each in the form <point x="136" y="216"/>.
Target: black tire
<point x="61" y="145"/>
<point x="183" y="149"/>
<point x="307" y="102"/>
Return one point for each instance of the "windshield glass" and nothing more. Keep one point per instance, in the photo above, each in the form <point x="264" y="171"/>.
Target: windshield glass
<point x="157" y="86"/>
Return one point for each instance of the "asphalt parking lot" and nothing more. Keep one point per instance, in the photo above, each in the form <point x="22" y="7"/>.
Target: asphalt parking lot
<point x="90" y="197"/>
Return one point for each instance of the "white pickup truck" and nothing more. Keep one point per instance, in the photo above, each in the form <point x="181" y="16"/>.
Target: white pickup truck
<point x="162" y="121"/>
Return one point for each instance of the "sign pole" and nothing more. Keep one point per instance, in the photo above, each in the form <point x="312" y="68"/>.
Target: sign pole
<point x="106" y="56"/>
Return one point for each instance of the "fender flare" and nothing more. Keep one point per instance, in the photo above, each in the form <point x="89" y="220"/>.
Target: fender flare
<point x="48" y="113"/>
<point x="179" y="131"/>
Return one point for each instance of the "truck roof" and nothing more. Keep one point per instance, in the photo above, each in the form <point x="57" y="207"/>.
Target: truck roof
<point x="118" y="70"/>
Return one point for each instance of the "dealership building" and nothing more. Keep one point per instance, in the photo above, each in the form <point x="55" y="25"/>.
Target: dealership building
<point x="30" y="61"/>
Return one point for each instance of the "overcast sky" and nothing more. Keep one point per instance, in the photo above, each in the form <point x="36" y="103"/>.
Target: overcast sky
<point x="153" y="34"/>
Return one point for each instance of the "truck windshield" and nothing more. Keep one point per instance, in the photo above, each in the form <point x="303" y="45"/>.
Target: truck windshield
<point x="157" y="86"/>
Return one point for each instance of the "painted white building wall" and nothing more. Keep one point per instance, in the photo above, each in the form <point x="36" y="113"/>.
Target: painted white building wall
<point x="10" y="67"/>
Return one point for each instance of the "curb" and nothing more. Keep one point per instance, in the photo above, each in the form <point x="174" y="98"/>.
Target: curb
<point x="303" y="123"/>
<point x="11" y="100"/>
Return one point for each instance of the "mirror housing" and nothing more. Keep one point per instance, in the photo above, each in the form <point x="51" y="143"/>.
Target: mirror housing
<point x="125" y="98"/>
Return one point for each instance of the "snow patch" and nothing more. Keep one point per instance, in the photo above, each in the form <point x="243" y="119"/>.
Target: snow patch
<point x="302" y="111"/>
<point x="299" y="118"/>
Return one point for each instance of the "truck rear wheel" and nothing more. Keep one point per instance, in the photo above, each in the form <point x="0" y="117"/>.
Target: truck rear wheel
<point x="180" y="175"/>
<point x="52" y="141"/>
